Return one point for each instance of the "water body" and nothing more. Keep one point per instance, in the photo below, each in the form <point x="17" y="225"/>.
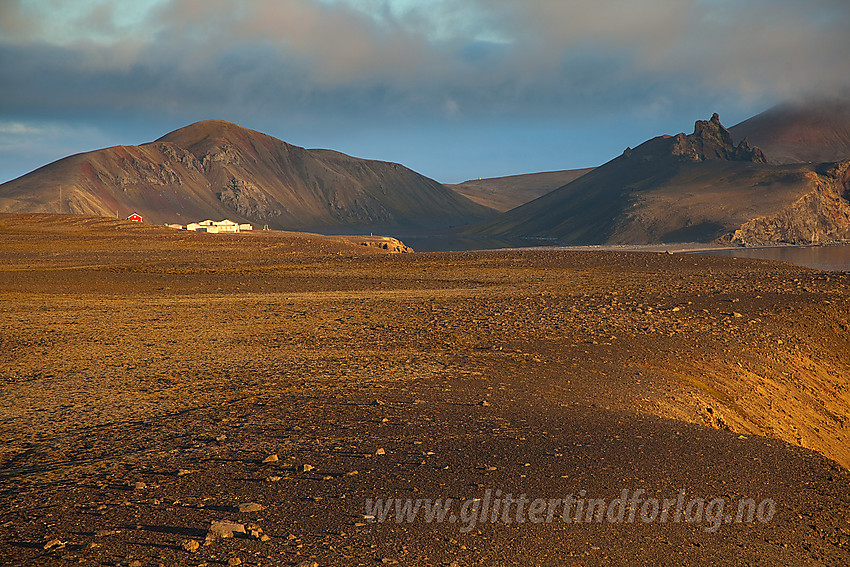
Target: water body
<point x="834" y="258"/>
<point x="829" y="258"/>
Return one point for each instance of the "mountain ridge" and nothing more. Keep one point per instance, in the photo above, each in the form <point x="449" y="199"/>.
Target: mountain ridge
<point x="698" y="187"/>
<point x="215" y="168"/>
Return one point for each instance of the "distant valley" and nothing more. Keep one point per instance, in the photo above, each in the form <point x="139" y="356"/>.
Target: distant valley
<point x="506" y="193"/>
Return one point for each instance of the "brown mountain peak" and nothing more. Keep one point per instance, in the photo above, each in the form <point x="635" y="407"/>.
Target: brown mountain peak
<point x="212" y="128"/>
<point x="217" y="169"/>
<point x="816" y="131"/>
<point x="687" y="188"/>
<point x="200" y="137"/>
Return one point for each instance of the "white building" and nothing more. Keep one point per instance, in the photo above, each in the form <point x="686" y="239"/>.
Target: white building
<point x="216" y="227"/>
<point x="227" y="226"/>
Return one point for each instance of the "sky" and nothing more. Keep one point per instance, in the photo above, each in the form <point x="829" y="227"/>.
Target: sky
<point x="454" y="89"/>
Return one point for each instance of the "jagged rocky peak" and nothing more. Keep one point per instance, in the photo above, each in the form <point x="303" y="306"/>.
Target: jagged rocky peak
<point x="711" y="140"/>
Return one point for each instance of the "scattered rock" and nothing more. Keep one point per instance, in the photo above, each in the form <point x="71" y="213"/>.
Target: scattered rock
<point x="140" y="485"/>
<point x="378" y="403"/>
<point x="183" y="472"/>
<point x="250" y="507"/>
<point x="306" y="468"/>
<point x="54" y="544"/>
<point x="224" y="529"/>
<point x="271" y="459"/>
<point x="256" y="532"/>
<point x="191" y="545"/>
<point x="234" y="561"/>
<point x="104" y="533"/>
<point x="484" y="403"/>
<point x="273" y="478"/>
<point x="381" y="451"/>
<point x="308" y="563"/>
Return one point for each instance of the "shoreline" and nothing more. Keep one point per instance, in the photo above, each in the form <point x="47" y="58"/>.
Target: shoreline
<point x="676" y="247"/>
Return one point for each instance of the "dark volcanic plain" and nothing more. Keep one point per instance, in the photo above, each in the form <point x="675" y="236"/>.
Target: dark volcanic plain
<point x="148" y="373"/>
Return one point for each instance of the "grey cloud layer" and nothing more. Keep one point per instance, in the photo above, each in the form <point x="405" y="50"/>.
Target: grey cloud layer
<point x="451" y="57"/>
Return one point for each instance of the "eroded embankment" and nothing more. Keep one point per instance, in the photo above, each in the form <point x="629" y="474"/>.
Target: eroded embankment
<point x="780" y="371"/>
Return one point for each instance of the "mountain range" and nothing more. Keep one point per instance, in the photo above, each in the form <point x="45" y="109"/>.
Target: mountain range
<point x="713" y="185"/>
<point x="216" y="169"/>
<point x="700" y="187"/>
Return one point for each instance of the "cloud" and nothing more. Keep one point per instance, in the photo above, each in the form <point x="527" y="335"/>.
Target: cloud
<point x="368" y="62"/>
<point x="19" y="129"/>
<point x="17" y="135"/>
<point x="26" y="145"/>
<point x="492" y="56"/>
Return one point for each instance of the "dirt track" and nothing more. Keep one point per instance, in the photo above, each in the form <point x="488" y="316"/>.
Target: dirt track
<point x="130" y="353"/>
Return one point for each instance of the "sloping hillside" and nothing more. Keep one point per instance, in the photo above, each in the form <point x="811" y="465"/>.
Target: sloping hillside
<point x="698" y="187"/>
<point x="215" y="169"/>
<point x="814" y="131"/>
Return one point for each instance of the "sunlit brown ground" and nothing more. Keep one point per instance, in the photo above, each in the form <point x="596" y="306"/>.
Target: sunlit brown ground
<point x="129" y="353"/>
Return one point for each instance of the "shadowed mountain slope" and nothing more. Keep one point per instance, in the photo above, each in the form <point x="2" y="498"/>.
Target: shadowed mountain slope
<point x="215" y="169"/>
<point x="699" y="187"/>
<point x="816" y="132"/>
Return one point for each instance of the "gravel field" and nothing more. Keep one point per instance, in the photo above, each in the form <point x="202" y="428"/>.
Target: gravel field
<point x="154" y="382"/>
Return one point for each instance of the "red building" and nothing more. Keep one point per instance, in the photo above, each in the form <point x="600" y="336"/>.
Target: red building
<point x="135" y="217"/>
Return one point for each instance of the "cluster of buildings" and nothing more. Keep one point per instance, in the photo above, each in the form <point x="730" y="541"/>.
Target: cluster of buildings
<point x="211" y="226"/>
<point x="214" y="227"/>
